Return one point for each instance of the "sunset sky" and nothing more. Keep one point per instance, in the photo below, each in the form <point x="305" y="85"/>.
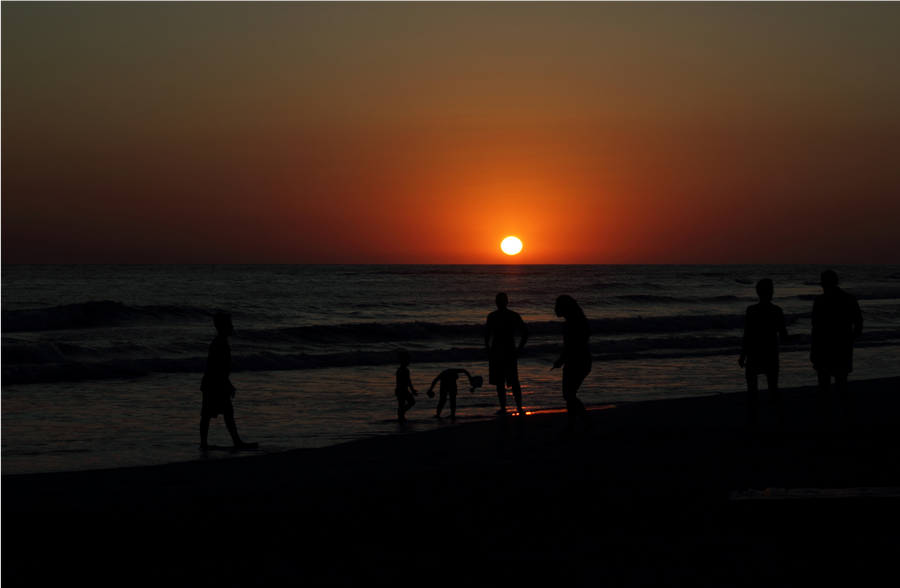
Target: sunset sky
<point x="426" y="133"/>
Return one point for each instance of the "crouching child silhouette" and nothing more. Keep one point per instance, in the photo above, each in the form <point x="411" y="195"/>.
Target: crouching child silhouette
<point x="216" y="386"/>
<point x="448" y="378"/>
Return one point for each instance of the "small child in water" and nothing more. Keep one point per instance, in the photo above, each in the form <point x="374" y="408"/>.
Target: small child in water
<point x="448" y="378"/>
<point x="405" y="400"/>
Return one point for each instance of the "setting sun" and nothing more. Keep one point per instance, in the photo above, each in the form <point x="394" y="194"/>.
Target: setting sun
<point x="511" y="246"/>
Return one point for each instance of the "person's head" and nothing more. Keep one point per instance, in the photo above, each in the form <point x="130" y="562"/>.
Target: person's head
<point x="568" y="308"/>
<point x="223" y="324"/>
<point x="829" y="280"/>
<point x="502" y="300"/>
<point x="765" y="290"/>
<point x="475" y="382"/>
<point x="404" y="358"/>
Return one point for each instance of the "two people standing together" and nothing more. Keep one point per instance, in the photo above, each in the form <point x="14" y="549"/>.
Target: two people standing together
<point x="836" y="323"/>
<point x="499" y="340"/>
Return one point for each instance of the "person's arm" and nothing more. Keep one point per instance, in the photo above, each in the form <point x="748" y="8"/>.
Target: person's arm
<point x="815" y="335"/>
<point x="743" y="356"/>
<point x="487" y="334"/>
<point x="782" y="329"/>
<point x="468" y="375"/>
<point x="857" y="320"/>
<point x="562" y="358"/>
<point x="431" y="388"/>
<point x="559" y="362"/>
<point x="525" y="334"/>
<point x="409" y="384"/>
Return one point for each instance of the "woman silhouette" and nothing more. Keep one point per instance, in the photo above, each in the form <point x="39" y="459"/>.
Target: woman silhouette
<point x="576" y="358"/>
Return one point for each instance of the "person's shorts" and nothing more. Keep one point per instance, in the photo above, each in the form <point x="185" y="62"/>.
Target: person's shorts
<point x="503" y="369"/>
<point x="835" y="364"/>
<point x="215" y="403"/>
<point x="403" y="395"/>
<point x="449" y="391"/>
<point x="762" y="365"/>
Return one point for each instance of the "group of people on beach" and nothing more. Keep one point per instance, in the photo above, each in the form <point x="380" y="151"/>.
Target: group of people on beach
<point x="502" y="351"/>
<point x="836" y="324"/>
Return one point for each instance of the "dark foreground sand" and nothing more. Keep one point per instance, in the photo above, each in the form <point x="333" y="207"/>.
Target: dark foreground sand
<point x="642" y="501"/>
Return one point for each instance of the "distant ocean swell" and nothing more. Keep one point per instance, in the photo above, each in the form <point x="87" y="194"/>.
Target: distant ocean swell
<point x="108" y="313"/>
<point x="112" y="314"/>
<point x="35" y="362"/>
<point x="94" y="314"/>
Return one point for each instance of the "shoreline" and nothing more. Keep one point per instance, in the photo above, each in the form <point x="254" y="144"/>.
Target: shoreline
<point x="466" y="420"/>
<point x="654" y="477"/>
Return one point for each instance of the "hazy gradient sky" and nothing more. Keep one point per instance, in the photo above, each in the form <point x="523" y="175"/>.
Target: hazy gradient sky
<point x="425" y="133"/>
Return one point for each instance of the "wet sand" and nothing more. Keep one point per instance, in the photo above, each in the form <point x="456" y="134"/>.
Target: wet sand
<point x="643" y="500"/>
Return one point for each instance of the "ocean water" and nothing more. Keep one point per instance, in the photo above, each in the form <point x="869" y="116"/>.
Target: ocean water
<point x="101" y="364"/>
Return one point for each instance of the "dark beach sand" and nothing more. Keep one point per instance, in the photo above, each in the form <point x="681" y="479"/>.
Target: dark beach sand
<point x="642" y="501"/>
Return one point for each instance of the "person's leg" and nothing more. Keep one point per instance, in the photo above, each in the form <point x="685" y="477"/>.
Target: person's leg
<point x="441" y="401"/>
<point x="772" y="381"/>
<point x="402" y="407"/>
<point x="573" y="384"/>
<point x="571" y="410"/>
<point x="232" y="429"/>
<point x="204" y="431"/>
<point x="824" y="397"/>
<point x="452" y="403"/>
<point x="752" y="398"/>
<point x="517" y="395"/>
<point x="501" y="396"/>
<point x="843" y="390"/>
<point x="574" y="407"/>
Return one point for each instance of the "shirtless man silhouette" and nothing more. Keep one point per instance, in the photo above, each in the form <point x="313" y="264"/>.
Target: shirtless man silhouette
<point x="759" y="349"/>
<point x="500" y="342"/>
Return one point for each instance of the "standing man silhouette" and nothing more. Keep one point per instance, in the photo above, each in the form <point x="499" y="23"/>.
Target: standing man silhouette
<point x="502" y="350"/>
<point x="759" y="348"/>
<point x="836" y="323"/>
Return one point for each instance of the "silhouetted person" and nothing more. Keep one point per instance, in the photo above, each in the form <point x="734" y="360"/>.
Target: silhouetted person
<point x="759" y="351"/>
<point x="216" y="386"/>
<point x="502" y="351"/>
<point x="448" y="378"/>
<point x="836" y="323"/>
<point x="575" y="361"/>
<point x="405" y="399"/>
